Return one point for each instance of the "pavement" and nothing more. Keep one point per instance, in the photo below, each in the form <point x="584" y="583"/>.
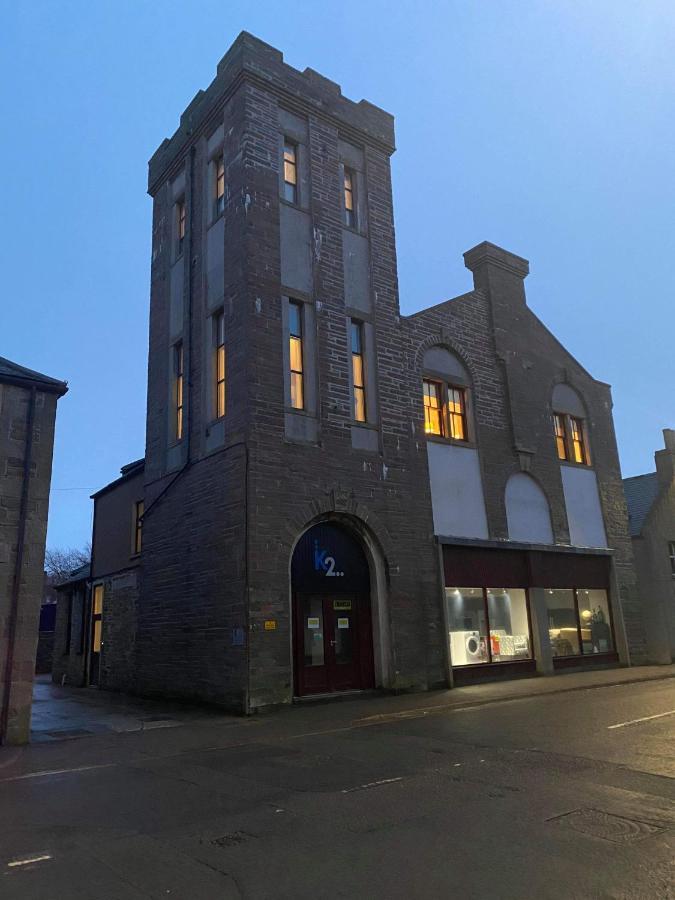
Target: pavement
<point x="552" y="788"/>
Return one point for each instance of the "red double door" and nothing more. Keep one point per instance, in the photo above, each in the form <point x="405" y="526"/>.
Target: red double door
<point x="333" y="643"/>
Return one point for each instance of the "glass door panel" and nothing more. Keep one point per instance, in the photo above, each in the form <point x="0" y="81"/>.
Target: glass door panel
<point x="313" y="631"/>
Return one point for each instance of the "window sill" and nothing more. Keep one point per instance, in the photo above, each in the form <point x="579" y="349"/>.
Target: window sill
<point x="574" y="465"/>
<point x="371" y="426"/>
<point x="300" y="412"/>
<point x="354" y="230"/>
<point x="440" y="439"/>
<point x="212" y="221"/>
<point x="284" y="202"/>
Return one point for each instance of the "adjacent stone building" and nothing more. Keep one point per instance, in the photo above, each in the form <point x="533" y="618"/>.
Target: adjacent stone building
<point x="651" y="510"/>
<point x="27" y="415"/>
<point x="338" y="497"/>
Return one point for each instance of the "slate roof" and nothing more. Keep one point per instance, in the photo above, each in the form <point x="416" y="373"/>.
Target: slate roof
<point x="132" y="468"/>
<point x="13" y="373"/>
<point x="80" y="574"/>
<point x="641" y="492"/>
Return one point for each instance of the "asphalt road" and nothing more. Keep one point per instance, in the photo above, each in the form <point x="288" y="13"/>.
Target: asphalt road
<point x="570" y="795"/>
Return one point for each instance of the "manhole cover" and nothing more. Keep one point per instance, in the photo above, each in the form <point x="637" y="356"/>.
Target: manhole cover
<point x="604" y="825"/>
<point x="233" y="839"/>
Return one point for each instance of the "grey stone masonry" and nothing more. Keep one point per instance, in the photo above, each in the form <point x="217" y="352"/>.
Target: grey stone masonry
<point x="227" y="501"/>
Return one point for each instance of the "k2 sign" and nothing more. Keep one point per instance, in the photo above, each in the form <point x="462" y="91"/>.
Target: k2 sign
<point x="325" y="563"/>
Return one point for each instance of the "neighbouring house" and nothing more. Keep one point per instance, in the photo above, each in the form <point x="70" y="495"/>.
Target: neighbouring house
<point x="45" y="645"/>
<point x="651" y="511"/>
<point x="87" y="651"/>
<point x="27" y="416"/>
<point x="337" y="497"/>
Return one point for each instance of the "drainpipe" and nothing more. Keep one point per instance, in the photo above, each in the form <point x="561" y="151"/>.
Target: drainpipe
<point x="18" y="566"/>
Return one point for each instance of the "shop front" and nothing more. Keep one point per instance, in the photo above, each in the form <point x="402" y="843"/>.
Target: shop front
<point x="514" y="612"/>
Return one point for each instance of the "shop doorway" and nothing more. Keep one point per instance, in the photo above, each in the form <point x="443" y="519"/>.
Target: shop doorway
<point x="332" y="621"/>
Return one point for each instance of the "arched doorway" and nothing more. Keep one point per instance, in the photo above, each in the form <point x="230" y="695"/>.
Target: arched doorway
<point x="332" y="623"/>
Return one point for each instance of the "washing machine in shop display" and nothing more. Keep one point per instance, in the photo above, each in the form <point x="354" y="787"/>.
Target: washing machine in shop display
<point x="466" y="647"/>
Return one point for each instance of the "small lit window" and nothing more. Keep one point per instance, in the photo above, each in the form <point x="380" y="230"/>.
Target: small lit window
<point x="560" y="435"/>
<point x="350" y="199"/>
<point x="358" y="376"/>
<point x="219" y="363"/>
<point x="290" y="172"/>
<point x="296" y="355"/>
<point x="178" y="389"/>
<point x="139" y="509"/>
<point x="219" y="186"/>
<point x="578" y="443"/>
<point x="180" y="226"/>
<point x="457" y="413"/>
<point x="671" y="551"/>
<point x="433" y="407"/>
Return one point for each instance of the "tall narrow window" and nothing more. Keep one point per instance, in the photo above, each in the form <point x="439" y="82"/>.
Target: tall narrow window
<point x="180" y="226"/>
<point x="560" y="435"/>
<point x="296" y="355"/>
<point x="219" y="363"/>
<point x="139" y="509"/>
<point x="578" y="443"/>
<point x="178" y="389"/>
<point x="671" y="551"/>
<point x="457" y="413"/>
<point x="219" y="186"/>
<point x="433" y="407"/>
<point x="358" y="375"/>
<point x="290" y="172"/>
<point x="350" y="199"/>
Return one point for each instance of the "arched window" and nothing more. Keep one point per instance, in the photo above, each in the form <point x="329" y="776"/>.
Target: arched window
<point x="569" y="423"/>
<point x="527" y="512"/>
<point x="445" y="388"/>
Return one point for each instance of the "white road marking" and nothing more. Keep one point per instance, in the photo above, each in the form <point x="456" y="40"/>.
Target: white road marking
<point x="370" y="784"/>
<point x="27" y="862"/>
<point x="643" y="719"/>
<point x="48" y="772"/>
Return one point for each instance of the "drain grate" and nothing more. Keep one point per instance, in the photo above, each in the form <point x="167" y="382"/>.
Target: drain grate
<point x="607" y="826"/>
<point x="233" y="839"/>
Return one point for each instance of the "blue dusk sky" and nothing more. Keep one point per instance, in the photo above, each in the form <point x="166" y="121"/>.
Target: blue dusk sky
<point x="545" y="126"/>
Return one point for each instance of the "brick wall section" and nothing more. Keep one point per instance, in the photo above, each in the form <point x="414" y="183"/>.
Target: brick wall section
<point x="14" y="405"/>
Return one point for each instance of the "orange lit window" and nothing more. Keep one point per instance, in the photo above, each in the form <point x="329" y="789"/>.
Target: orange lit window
<point x="139" y="509"/>
<point x="560" y="435"/>
<point x="578" y="442"/>
<point x="178" y="389"/>
<point x="219" y="363"/>
<point x="219" y="185"/>
<point x="290" y="172"/>
<point x="180" y="226"/>
<point x="358" y="371"/>
<point x="433" y="407"/>
<point x="350" y="205"/>
<point x="457" y="413"/>
<point x="296" y="355"/>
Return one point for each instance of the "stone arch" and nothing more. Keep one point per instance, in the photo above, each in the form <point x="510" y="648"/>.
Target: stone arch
<point x="377" y="546"/>
<point x="442" y="341"/>
<point x="528" y="512"/>
<point x="567" y="399"/>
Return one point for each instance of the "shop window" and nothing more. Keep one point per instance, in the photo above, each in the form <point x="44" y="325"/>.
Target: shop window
<point x="488" y="625"/>
<point x="579" y="622"/>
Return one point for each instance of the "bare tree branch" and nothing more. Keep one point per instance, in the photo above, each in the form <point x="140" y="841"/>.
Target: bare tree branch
<point x="61" y="563"/>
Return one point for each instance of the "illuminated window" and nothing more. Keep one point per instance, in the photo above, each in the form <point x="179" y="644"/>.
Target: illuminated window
<point x="219" y="186"/>
<point x="578" y="443"/>
<point x="350" y="199"/>
<point x="178" y="389"/>
<point x="139" y="509"/>
<point x="579" y="621"/>
<point x="433" y="407"/>
<point x="296" y="354"/>
<point x="560" y="435"/>
<point x="358" y="376"/>
<point x="671" y="551"/>
<point x="457" y="413"/>
<point x="488" y="625"/>
<point x="97" y="618"/>
<point x="218" y="324"/>
<point x="180" y="226"/>
<point x="290" y="172"/>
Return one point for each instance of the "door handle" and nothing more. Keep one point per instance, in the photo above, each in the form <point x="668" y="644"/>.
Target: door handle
<point x="332" y="643"/>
